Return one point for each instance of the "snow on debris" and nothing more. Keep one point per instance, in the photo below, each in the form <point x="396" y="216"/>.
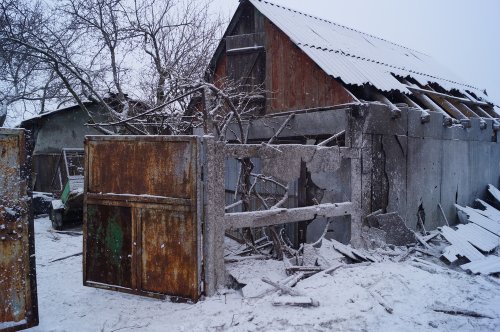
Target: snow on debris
<point x="349" y="299"/>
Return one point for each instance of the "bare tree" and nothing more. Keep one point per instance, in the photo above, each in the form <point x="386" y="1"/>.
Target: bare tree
<point x="90" y="49"/>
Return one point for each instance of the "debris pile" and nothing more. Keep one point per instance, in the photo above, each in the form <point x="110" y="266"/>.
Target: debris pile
<point x="474" y="242"/>
<point x="322" y="257"/>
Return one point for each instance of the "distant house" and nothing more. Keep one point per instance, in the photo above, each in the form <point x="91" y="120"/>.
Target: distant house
<point x="50" y="133"/>
<point x="424" y="137"/>
<point x="65" y="128"/>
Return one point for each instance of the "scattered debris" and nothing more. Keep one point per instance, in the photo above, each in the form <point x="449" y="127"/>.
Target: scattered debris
<point x="489" y="265"/>
<point x="66" y="257"/>
<point x="460" y="247"/>
<point x="480" y="220"/>
<point x="283" y="288"/>
<point x="354" y="254"/>
<point x="477" y="235"/>
<point x="459" y="312"/>
<point x="299" y="301"/>
<point x="381" y="301"/>
<point x="234" y="259"/>
<point x="397" y="233"/>
<point x="495" y="193"/>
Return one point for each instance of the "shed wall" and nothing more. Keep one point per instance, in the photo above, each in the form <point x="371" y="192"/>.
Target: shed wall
<point x="293" y="80"/>
<point x="409" y="166"/>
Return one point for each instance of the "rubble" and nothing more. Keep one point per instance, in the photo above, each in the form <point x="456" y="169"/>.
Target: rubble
<point x="473" y="243"/>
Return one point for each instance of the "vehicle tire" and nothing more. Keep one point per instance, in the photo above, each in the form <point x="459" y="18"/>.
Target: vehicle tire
<point x="56" y="217"/>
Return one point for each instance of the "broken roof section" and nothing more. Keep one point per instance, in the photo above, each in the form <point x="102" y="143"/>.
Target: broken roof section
<point x="358" y="58"/>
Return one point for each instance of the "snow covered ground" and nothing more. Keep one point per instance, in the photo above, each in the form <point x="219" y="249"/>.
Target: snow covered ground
<point x="347" y="300"/>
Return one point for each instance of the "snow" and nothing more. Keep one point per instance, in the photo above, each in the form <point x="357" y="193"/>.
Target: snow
<point x="57" y="204"/>
<point x="347" y="301"/>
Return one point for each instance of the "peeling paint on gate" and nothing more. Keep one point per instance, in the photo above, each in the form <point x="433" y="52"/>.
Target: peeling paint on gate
<point x="18" y="301"/>
<point x="141" y="217"/>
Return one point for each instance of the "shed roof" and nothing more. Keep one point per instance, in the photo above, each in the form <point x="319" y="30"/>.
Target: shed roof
<point x="358" y="58"/>
<point x="29" y="121"/>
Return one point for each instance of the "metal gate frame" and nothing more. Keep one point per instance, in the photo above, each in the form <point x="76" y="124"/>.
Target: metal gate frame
<point x="139" y="202"/>
<point x="24" y="225"/>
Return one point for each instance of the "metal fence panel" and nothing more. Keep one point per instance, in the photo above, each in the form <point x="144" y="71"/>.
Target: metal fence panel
<point x="142" y="222"/>
<point x="18" y="300"/>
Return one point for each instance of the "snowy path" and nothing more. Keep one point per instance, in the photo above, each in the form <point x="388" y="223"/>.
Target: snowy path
<point x="346" y="303"/>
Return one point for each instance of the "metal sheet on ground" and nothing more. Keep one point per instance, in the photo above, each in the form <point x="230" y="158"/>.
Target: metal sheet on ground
<point x="18" y="301"/>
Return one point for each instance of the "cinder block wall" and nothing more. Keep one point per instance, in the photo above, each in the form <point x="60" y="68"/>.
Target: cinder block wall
<point x="410" y="166"/>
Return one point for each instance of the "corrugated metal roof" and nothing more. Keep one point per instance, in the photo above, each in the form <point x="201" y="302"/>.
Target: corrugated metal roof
<point x="489" y="265"/>
<point x="478" y="237"/>
<point x="358" y="58"/>
<point x="459" y="246"/>
<point x="480" y="220"/>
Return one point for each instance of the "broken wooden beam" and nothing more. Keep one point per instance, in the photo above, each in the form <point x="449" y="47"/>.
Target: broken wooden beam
<point x="285" y="289"/>
<point x="301" y="301"/>
<point x="306" y="269"/>
<point x="465" y="101"/>
<point x="459" y="312"/>
<point x="284" y="216"/>
<point x="234" y="259"/>
<point x="381" y="301"/>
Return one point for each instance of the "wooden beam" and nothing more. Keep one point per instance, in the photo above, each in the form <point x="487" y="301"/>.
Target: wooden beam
<point x="449" y="107"/>
<point x="466" y="101"/>
<point x="334" y="137"/>
<point x="284" y="216"/>
<point x="425" y="117"/>
<point x="424" y="99"/>
<point x="395" y="111"/>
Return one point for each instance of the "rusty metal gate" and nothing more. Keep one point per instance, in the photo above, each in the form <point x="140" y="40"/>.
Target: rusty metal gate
<point x="18" y="300"/>
<point x="142" y="215"/>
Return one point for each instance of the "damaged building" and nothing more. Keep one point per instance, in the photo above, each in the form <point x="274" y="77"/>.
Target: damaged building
<point x="425" y="140"/>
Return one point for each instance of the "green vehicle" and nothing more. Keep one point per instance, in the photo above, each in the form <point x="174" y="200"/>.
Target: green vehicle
<point x="67" y="184"/>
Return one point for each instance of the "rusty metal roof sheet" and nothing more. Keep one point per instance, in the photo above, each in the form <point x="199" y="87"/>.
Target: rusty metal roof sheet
<point x="489" y="265"/>
<point x="358" y="58"/>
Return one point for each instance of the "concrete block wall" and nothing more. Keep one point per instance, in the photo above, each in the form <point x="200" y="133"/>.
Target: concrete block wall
<point x="410" y="166"/>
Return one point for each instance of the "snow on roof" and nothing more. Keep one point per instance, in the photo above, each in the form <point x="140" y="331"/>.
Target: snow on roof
<point x="358" y="58"/>
<point x="41" y="115"/>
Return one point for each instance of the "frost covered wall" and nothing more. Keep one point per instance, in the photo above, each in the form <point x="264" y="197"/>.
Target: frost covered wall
<point x="410" y="166"/>
<point x="51" y="133"/>
<point x="407" y="165"/>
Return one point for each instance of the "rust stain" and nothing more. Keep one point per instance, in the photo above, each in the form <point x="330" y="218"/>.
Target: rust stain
<point x="17" y="270"/>
<point x="141" y="168"/>
<point x="140" y="228"/>
<point x="169" y="253"/>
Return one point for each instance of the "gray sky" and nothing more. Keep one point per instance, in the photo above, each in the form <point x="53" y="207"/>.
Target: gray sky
<point x="463" y="35"/>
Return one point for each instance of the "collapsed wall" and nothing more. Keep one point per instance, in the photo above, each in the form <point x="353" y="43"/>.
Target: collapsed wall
<point x="409" y="163"/>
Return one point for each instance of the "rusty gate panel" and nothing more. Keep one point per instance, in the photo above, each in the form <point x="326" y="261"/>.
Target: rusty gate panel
<point x="166" y="178"/>
<point x="177" y="253"/>
<point x="141" y="221"/>
<point x="18" y="300"/>
<point x="109" y="241"/>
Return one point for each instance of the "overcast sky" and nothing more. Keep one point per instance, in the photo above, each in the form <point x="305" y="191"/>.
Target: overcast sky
<point x="463" y="35"/>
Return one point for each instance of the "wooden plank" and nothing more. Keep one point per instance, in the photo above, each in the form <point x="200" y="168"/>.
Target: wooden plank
<point x="284" y="216"/>
<point x="345" y="250"/>
<point x="295" y="301"/>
